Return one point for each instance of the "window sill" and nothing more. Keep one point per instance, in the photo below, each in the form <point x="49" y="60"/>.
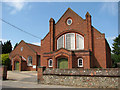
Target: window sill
<point x="29" y="65"/>
<point x="80" y="66"/>
<point x="50" y="66"/>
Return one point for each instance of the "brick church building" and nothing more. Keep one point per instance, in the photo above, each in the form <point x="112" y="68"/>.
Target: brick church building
<point x="72" y="42"/>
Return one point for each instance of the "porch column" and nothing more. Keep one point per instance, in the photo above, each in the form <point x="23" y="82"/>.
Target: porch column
<point x="70" y="62"/>
<point x="13" y="65"/>
<point x="54" y="63"/>
<point x="20" y="63"/>
<point x="87" y="62"/>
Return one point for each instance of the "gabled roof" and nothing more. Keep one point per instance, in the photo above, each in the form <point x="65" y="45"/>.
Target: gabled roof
<point x="22" y="58"/>
<point x="69" y="9"/>
<point x="35" y="48"/>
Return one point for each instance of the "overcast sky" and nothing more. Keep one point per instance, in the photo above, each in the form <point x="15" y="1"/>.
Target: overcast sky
<point x="33" y="17"/>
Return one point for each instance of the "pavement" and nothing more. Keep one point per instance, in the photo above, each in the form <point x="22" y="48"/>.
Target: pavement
<point x="25" y="79"/>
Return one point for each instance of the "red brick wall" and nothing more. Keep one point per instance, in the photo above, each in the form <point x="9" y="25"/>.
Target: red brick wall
<point x="24" y="66"/>
<point x="99" y="53"/>
<point x="45" y="47"/>
<point x="86" y="59"/>
<point x="108" y="55"/>
<point x="45" y="44"/>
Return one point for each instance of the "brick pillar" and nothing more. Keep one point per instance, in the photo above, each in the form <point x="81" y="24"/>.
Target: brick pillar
<point x="88" y="20"/>
<point x="54" y="63"/>
<point x="13" y="65"/>
<point x="87" y="62"/>
<point x="90" y="36"/>
<point x="4" y="72"/>
<point x="40" y="74"/>
<point x="20" y="64"/>
<point x="51" y="29"/>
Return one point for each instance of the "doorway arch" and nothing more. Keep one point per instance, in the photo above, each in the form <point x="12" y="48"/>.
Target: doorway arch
<point x="16" y="65"/>
<point x="62" y="63"/>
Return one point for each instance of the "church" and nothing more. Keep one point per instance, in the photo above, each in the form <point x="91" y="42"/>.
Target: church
<point x="72" y="42"/>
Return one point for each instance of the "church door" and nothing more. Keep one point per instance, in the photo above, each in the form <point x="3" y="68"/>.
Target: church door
<point x="63" y="63"/>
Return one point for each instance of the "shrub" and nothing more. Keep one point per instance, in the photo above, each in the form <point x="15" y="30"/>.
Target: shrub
<point x="6" y="60"/>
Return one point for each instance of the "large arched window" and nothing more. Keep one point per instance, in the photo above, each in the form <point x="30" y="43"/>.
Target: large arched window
<point x="73" y="41"/>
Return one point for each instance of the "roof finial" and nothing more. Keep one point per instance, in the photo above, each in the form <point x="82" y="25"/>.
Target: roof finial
<point x="51" y="19"/>
<point x="87" y="14"/>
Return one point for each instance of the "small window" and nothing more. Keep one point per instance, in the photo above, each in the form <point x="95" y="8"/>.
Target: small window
<point x="50" y="63"/>
<point x="69" y="21"/>
<point x="21" y="48"/>
<point x="29" y="60"/>
<point x="80" y="62"/>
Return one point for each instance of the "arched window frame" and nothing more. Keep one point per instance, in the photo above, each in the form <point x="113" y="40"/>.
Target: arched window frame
<point x="73" y="42"/>
<point x="62" y="41"/>
<point x="81" y="37"/>
<point x="79" y="62"/>
<point x="50" y="63"/>
<point x="76" y="39"/>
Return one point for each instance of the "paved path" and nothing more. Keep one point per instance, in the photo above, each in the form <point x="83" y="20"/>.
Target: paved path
<point x="25" y="79"/>
<point x="18" y="84"/>
<point x="25" y="76"/>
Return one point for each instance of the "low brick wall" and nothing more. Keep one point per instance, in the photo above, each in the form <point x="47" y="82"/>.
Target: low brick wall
<point x="92" y="78"/>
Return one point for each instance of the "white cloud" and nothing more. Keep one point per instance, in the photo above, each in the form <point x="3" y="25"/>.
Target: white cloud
<point x="110" y="7"/>
<point x="37" y="43"/>
<point x="16" y="5"/>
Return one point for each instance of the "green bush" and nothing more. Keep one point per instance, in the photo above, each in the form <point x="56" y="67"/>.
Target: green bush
<point x="6" y="60"/>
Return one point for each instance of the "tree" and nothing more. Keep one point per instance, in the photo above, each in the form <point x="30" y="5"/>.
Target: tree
<point x="6" y="60"/>
<point x="15" y="45"/>
<point x="116" y="45"/>
<point x="115" y="58"/>
<point x="6" y="47"/>
<point x="116" y="51"/>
